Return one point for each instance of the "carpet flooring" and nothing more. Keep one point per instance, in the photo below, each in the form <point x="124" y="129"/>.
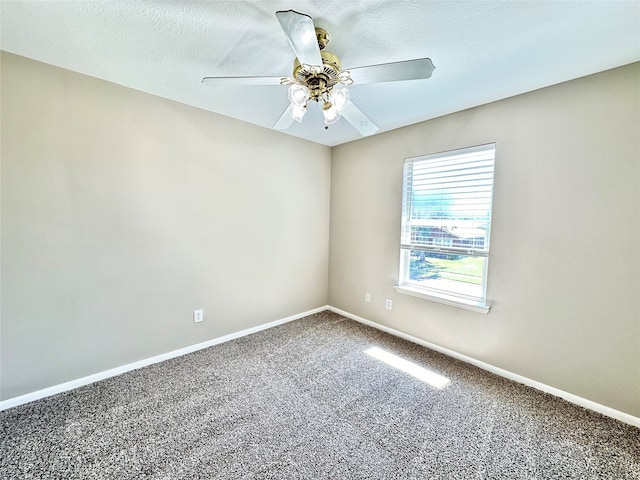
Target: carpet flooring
<point x="304" y="401"/>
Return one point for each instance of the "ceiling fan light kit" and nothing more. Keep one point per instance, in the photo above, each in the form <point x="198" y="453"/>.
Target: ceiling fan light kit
<point x="316" y="82"/>
<point x="316" y="72"/>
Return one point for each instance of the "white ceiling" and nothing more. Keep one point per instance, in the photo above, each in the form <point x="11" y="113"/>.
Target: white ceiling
<point x="483" y="50"/>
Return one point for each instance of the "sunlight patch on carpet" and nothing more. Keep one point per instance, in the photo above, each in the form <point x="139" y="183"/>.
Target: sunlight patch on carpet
<point x="411" y="368"/>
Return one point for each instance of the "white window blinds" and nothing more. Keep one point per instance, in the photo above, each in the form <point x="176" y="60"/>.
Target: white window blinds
<point x="447" y="201"/>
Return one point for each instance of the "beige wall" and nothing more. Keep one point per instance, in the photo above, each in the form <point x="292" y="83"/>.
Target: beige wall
<point x="564" y="264"/>
<point x="122" y="212"/>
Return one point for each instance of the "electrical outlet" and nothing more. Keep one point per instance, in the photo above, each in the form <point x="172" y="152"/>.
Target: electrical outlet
<point x="388" y="304"/>
<point x="367" y="297"/>
<point x="198" y="316"/>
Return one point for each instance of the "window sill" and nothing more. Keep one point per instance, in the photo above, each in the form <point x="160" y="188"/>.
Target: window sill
<point x="454" y="301"/>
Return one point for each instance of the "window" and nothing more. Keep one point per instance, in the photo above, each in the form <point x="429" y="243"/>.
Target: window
<point x="446" y="220"/>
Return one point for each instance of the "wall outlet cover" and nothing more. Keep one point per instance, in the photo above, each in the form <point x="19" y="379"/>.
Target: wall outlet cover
<point x="198" y="316"/>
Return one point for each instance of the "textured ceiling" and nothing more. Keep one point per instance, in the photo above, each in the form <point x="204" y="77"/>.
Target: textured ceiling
<point x="483" y="50"/>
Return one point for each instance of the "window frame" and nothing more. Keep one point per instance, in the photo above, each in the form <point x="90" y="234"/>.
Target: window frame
<point x="470" y="302"/>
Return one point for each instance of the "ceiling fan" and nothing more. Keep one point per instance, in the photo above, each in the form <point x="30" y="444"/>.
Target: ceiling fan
<point x="316" y="73"/>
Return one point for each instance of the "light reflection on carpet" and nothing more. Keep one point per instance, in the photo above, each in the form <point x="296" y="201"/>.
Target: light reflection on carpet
<point x="411" y="368"/>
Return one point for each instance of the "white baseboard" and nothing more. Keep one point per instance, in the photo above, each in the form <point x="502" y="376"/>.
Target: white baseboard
<point x="63" y="387"/>
<point x="576" y="400"/>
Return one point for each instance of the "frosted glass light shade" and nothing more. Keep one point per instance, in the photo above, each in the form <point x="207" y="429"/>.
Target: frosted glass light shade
<point x="298" y="95"/>
<point x="297" y="112"/>
<point x="339" y="98"/>
<point x="331" y="113"/>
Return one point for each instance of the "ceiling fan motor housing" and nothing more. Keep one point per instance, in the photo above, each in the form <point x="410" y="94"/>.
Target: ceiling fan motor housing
<point x="319" y="80"/>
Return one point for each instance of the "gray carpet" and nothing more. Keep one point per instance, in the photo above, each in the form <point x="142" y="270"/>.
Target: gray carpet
<point x="303" y="401"/>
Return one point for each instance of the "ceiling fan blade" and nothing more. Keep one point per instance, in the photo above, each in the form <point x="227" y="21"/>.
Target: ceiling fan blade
<point x="301" y="34"/>
<point x="284" y="122"/>
<point x="240" y="81"/>
<point x="417" y="69"/>
<point x="358" y="119"/>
